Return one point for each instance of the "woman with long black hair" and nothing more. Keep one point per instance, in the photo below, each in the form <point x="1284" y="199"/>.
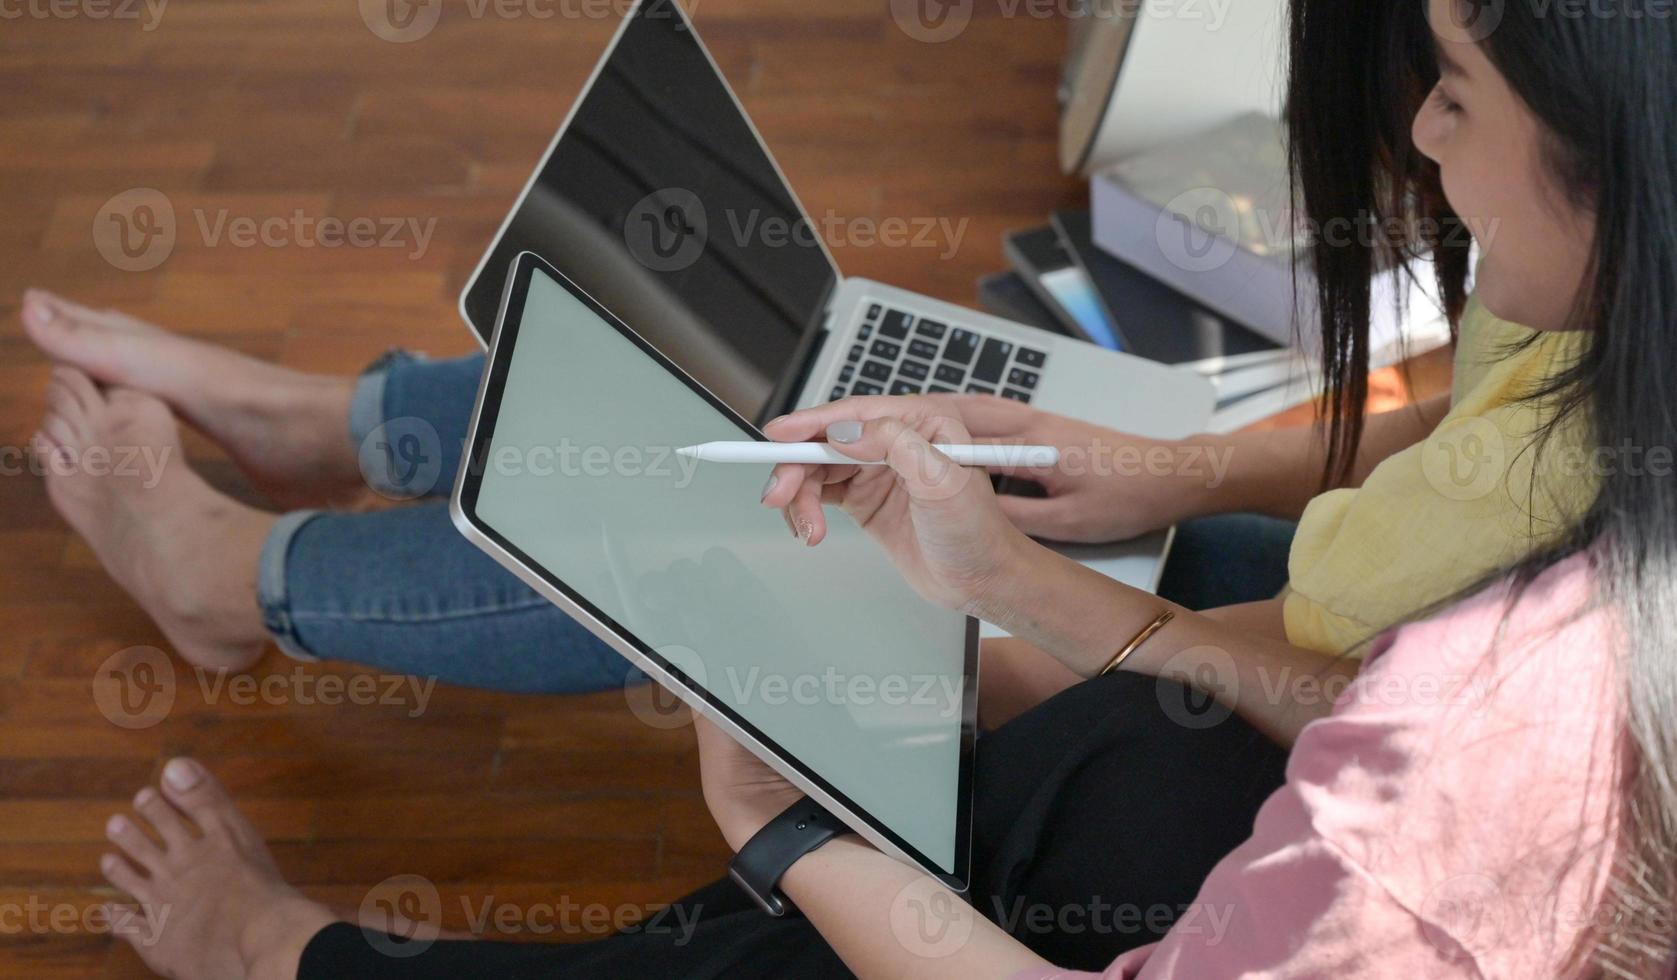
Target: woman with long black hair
<point x="1494" y="793"/>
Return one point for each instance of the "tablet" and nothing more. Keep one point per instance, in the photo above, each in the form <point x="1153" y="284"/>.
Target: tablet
<point x="823" y="662"/>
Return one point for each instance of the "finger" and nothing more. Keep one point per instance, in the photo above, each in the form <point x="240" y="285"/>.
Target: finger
<point x="926" y="473"/>
<point x="783" y="483"/>
<point x="812" y="422"/>
<point x="808" y="518"/>
<point x="991" y="416"/>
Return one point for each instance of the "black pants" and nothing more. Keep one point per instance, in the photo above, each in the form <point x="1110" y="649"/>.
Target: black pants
<point x="1097" y="815"/>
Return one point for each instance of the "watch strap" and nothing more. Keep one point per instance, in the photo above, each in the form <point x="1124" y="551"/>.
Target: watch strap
<point x="759" y="865"/>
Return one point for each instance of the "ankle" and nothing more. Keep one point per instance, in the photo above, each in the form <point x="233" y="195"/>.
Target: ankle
<point x="272" y="941"/>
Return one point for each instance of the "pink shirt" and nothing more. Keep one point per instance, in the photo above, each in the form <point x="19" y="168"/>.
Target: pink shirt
<point x="1451" y="818"/>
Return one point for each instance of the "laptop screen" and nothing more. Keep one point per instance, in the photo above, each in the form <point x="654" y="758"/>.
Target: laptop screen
<point x="660" y="202"/>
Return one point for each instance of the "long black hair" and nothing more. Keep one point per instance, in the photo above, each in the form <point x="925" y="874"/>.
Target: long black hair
<point x="1602" y="82"/>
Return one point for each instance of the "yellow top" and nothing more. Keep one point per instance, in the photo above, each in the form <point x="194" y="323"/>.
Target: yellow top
<point x="1436" y="517"/>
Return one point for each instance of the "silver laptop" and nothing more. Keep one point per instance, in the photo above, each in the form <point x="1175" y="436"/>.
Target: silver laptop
<point x="659" y="199"/>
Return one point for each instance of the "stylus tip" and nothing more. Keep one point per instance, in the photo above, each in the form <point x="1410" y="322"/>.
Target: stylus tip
<point x="687" y="451"/>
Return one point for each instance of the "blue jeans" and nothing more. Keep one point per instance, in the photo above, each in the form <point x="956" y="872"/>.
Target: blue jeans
<point x="401" y="591"/>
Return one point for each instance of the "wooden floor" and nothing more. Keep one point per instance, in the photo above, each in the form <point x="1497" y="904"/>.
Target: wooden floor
<point x="263" y="108"/>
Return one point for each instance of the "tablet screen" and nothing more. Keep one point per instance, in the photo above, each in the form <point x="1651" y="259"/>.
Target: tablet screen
<point x="825" y="652"/>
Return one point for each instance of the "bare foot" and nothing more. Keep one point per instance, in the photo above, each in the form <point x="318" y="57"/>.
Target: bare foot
<point x="187" y="554"/>
<point x="287" y="430"/>
<point x="212" y="904"/>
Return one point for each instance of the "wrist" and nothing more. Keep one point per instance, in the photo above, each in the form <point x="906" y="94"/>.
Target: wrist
<point x="1211" y="479"/>
<point x="1019" y="581"/>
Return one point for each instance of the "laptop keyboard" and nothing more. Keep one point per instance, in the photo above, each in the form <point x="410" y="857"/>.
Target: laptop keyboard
<point x="896" y="353"/>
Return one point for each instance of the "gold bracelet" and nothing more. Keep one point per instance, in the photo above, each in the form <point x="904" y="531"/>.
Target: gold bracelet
<point x="1135" y="644"/>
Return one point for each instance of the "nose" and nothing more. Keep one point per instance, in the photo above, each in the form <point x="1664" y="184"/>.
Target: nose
<point x="1427" y="130"/>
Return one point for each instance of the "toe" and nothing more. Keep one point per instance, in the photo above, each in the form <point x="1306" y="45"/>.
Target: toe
<point x="79" y="385"/>
<point x="162" y="815"/>
<point x="136" y="846"/>
<point x="126" y="922"/>
<point x="122" y="876"/>
<point x="201" y="797"/>
<point x="63" y="431"/>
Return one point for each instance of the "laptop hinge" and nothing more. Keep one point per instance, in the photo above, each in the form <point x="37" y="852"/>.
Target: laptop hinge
<point x="785" y="394"/>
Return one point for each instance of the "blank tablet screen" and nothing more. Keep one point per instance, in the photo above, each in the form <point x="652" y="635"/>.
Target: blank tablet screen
<point x="826" y="652"/>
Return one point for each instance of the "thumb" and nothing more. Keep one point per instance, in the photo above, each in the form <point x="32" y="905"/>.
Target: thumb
<point x="926" y="474"/>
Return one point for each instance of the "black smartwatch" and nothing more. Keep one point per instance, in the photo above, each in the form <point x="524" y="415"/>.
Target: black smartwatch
<point x="757" y="868"/>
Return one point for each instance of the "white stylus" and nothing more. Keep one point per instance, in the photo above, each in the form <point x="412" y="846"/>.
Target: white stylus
<point x="819" y="452"/>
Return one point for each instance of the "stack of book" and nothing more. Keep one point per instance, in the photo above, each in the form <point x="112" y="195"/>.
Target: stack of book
<point x="1187" y="257"/>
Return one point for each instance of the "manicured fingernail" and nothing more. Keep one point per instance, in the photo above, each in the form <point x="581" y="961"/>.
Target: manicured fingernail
<point x="843" y="432"/>
<point x="181" y="774"/>
<point x="115" y="826"/>
<point x="144" y="796"/>
<point x="35" y="313"/>
<point x="777" y="418"/>
<point x="768" y="487"/>
<point x="806" y="530"/>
